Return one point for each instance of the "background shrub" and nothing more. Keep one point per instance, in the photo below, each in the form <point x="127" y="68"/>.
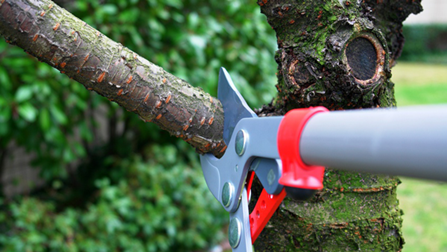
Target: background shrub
<point x="112" y="182"/>
<point x="425" y="43"/>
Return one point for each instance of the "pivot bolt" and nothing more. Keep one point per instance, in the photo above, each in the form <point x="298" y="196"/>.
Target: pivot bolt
<point x="227" y="194"/>
<point x="235" y="232"/>
<point x="241" y="142"/>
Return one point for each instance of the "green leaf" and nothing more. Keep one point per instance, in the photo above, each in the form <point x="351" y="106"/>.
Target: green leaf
<point x="197" y="42"/>
<point x="28" y="112"/>
<point x="137" y="39"/>
<point x="109" y="9"/>
<point x="175" y="3"/>
<point x="5" y="111"/>
<point x="4" y="79"/>
<point x="58" y="115"/>
<point x="79" y="149"/>
<point x="85" y="132"/>
<point x="24" y="93"/>
<point x="4" y="129"/>
<point x="44" y="120"/>
<point x="68" y="155"/>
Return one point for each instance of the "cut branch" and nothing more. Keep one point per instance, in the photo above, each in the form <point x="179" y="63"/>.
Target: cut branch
<point x="56" y="37"/>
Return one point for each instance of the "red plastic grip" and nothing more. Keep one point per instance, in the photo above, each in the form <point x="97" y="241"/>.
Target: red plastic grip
<point x="263" y="211"/>
<point x="295" y="173"/>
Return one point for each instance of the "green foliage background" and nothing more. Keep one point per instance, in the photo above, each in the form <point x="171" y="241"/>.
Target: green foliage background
<point x="142" y="190"/>
<point x="425" y="43"/>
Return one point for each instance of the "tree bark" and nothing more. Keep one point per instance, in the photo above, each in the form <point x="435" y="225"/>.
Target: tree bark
<point x="56" y="37"/>
<point x="331" y="54"/>
<point x="337" y="55"/>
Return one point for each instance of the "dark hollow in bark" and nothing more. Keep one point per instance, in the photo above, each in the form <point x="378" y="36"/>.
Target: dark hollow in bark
<point x="362" y="57"/>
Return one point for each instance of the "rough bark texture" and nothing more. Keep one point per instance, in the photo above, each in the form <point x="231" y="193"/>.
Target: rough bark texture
<point x="61" y="40"/>
<point x="337" y="55"/>
<point x="330" y="54"/>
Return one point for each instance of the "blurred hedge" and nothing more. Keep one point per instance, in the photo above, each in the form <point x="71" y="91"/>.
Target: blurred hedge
<point x="425" y="43"/>
<point x="141" y="190"/>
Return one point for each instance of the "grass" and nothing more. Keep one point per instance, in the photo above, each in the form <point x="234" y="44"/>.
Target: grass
<point x="423" y="202"/>
<point x="420" y="83"/>
<point x="425" y="215"/>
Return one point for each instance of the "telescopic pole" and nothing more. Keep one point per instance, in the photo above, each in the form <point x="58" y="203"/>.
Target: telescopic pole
<point x="405" y="141"/>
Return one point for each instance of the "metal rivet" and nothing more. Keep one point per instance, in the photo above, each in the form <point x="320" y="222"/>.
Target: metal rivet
<point x="271" y="177"/>
<point x="235" y="232"/>
<point x="227" y="194"/>
<point x="241" y="141"/>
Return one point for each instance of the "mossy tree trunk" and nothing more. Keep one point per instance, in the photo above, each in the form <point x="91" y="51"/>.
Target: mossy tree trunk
<point x="338" y="55"/>
<point x="330" y="53"/>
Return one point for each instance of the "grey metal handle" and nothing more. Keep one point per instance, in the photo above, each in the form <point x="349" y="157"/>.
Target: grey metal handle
<point x="405" y="141"/>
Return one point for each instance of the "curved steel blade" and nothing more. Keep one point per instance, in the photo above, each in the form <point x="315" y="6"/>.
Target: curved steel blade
<point x="234" y="105"/>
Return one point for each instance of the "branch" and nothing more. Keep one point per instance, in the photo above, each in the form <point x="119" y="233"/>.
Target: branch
<point x="56" y="37"/>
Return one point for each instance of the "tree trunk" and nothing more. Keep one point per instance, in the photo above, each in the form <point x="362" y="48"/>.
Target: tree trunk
<point x="337" y="55"/>
<point x="58" y="38"/>
<point x="331" y="54"/>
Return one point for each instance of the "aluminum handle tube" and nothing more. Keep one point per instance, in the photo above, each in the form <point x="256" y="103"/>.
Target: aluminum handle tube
<point x="408" y="142"/>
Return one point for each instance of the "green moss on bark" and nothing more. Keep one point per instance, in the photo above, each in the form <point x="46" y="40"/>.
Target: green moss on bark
<point x="354" y="211"/>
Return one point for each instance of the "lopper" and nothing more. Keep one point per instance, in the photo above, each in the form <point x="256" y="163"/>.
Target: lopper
<point x="288" y="153"/>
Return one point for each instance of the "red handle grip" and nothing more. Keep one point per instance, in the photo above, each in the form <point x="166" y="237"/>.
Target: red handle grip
<point x="295" y="173"/>
<point x="263" y="211"/>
